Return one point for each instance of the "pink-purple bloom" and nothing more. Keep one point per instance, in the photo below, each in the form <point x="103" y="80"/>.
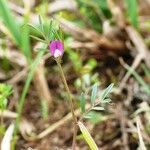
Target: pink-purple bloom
<point x="56" y="48"/>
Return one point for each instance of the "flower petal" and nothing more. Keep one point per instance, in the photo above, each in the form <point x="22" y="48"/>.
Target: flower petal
<point x="56" y="48"/>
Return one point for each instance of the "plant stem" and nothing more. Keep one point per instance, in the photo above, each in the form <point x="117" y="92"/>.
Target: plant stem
<point x="70" y="102"/>
<point x="24" y="93"/>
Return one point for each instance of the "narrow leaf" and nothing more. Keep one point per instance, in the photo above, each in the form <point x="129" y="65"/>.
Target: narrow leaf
<point x="98" y="108"/>
<point x="41" y="23"/>
<point x="38" y="30"/>
<point x="82" y="102"/>
<point x="132" y="12"/>
<point x="94" y="93"/>
<point x="107" y="100"/>
<point x="106" y="91"/>
<point x="21" y="102"/>
<point x="139" y="79"/>
<point x="88" y="138"/>
<point x="8" y="20"/>
<point x="25" y="42"/>
<point x="89" y="115"/>
<point x="38" y="39"/>
<point x="49" y="33"/>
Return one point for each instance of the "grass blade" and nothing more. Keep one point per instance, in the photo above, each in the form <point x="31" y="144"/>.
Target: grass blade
<point x="25" y="42"/>
<point x="8" y="20"/>
<point x="132" y="12"/>
<point x="88" y="138"/>
<point x="139" y="79"/>
<point x="25" y="89"/>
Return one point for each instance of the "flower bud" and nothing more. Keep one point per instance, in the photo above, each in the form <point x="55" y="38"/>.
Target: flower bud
<point x="56" y="48"/>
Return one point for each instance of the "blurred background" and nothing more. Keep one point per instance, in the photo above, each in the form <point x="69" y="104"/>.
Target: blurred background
<point x="106" y="41"/>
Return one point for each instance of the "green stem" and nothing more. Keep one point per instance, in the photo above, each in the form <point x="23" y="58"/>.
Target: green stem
<point x="70" y="102"/>
<point x="24" y="93"/>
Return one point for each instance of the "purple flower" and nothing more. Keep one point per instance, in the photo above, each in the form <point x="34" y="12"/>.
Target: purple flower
<point x="56" y="48"/>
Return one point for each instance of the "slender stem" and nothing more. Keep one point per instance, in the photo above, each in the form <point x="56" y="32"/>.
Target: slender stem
<point x="2" y="119"/>
<point x="70" y="102"/>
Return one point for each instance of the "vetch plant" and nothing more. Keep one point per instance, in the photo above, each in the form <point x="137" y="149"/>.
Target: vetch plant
<point x="56" y="50"/>
<point x="54" y="41"/>
<point x="97" y="103"/>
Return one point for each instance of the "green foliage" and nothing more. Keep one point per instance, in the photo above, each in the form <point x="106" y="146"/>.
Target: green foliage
<point x="8" y="20"/>
<point x="33" y="67"/>
<point x="95" y="117"/>
<point x="88" y="138"/>
<point x="98" y="102"/>
<point x="94" y="94"/>
<point x="38" y="30"/>
<point x="94" y="12"/>
<point x="146" y="70"/>
<point x="106" y="92"/>
<point x="82" y="102"/>
<point x="132" y="10"/>
<point x="92" y="113"/>
<point x="104" y="8"/>
<point x="75" y="59"/>
<point x="20" y="34"/>
<point x="5" y="91"/>
<point x="90" y="65"/>
<point x="47" y="31"/>
<point x="25" y="42"/>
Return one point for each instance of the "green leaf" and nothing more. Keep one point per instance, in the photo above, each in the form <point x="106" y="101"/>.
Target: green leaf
<point x="146" y="70"/>
<point x="94" y="93"/>
<point x="38" y="39"/>
<point x="107" y="100"/>
<point x="104" y="7"/>
<point x="95" y="117"/>
<point x="132" y="11"/>
<point x="41" y="23"/>
<point x="21" y="102"/>
<point x="82" y="102"/>
<point x="49" y="33"/>
<point x="25" y="42"/>
<point x="5" y="91"/>
<point x="98" y="108"/>
<point x="88" y="138"/>
<point x="106" y="91"/>
<point x="88" y="116"/>
<point x="38" y="30"/>
<point x="10" y="21"/>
